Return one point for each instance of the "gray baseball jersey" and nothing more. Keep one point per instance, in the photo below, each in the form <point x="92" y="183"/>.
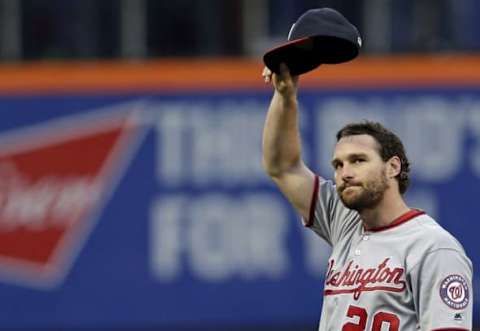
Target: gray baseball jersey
<point x="410" y="275"/>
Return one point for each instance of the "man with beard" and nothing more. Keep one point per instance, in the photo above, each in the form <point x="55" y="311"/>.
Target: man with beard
<point x="392" y="267"/>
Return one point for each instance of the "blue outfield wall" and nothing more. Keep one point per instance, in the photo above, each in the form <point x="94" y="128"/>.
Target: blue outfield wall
<point x="174" y="224"/>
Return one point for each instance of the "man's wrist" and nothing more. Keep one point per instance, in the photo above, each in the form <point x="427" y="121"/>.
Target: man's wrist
<point x="287" y="97"/>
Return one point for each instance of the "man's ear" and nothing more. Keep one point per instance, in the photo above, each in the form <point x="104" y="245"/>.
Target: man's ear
<point x="394" y="167"/>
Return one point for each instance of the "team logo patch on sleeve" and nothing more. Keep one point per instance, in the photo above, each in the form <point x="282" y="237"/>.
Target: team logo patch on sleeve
<point x="454" y="292"/>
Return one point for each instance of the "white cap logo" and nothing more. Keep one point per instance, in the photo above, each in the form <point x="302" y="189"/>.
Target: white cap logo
<point x="359" y="41"/>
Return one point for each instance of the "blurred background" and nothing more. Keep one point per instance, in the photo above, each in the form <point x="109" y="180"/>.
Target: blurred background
<point x="88" y="29"/>
<point x="132" y="195"/>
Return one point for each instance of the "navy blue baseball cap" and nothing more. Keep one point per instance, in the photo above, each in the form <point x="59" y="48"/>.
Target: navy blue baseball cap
<point x="321" y="35"/>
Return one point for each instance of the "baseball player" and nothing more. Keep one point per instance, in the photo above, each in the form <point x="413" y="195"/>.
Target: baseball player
<point x="392" y="267"/>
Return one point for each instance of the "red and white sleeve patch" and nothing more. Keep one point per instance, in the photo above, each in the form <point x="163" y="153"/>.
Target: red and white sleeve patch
<point x="454" y="292"/>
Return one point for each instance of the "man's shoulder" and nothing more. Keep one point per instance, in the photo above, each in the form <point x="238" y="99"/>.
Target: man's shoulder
<point x="432" y="236"/>
<point x="427" y="237"/>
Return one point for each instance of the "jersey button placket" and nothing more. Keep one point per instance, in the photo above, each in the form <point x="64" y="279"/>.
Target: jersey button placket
<point x="364" y="237"/>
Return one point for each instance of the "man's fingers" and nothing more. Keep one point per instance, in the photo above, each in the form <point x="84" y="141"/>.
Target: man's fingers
<point x="295" y="80"/>
<point x="283" y="80"/>
<point x="284" y="72"/>
<point x="267" y="75"/>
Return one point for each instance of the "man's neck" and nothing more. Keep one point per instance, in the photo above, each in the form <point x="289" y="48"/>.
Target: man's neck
<point x="390" y="208"/>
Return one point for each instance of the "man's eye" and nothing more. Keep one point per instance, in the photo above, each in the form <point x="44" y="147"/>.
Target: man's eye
<point x="359" y="161"/>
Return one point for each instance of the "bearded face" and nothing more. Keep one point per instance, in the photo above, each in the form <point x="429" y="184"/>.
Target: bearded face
<point x="366" y="194"/>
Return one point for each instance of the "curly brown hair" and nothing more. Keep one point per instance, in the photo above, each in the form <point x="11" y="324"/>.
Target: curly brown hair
<point x="390" y="145"/>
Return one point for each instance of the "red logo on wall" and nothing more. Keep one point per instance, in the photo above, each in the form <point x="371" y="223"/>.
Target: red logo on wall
<point x="53" y="181"/>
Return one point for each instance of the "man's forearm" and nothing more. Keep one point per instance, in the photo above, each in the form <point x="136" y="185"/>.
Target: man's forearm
<point x="281" y="138"/>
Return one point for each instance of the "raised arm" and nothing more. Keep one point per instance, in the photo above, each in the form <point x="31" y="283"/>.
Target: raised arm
<point x="282" y="144"/>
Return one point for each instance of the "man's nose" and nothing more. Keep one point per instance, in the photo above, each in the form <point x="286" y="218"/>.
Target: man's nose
<point x="347" y="173"/>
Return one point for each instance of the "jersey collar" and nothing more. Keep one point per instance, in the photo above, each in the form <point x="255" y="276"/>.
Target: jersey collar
<point x="399" y="220"/>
